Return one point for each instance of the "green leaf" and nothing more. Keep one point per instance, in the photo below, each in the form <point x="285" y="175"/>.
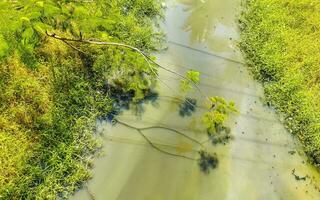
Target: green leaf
<point x="194" y="76"/>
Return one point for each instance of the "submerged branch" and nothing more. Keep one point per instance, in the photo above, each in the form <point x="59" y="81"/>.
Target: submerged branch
<point x="206" y="161"/>
<point x="163" y="151"/>
<point x="176" y="131"/>
<point x="139" y="130"/>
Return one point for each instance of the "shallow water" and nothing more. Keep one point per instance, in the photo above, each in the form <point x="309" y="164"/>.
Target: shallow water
<point x="255" y="165"/>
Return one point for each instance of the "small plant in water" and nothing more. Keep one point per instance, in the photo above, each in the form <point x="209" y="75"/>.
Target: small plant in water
<point x="215" y="118"/>
<point x="192" y="77"/>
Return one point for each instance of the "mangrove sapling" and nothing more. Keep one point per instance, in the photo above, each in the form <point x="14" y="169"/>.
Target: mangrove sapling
<point x="214" y="119"/>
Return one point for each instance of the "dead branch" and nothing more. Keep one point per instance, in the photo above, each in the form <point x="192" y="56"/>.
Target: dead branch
<point x="139" y="130"/>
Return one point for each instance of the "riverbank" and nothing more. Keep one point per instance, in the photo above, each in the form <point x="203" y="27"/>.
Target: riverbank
<point x="280" y="40"/>
<point x="52" y="93"/>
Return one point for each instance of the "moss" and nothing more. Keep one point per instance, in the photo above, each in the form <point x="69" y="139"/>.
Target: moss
<point x="280" y="39"/>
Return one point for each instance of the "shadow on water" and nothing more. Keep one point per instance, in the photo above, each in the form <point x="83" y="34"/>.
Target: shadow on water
<point x="125" y="101"/>
<point x="187" y="107"/>
<point x="207" y="161"/>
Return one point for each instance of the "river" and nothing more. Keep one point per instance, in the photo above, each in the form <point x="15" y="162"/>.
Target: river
<point x="256" y="164"/>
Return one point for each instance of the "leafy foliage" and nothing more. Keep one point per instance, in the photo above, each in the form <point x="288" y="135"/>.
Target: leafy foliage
<point x="218" y="110"/>
<point x="52" y="95"/>
<point x="280" y="41"/>
<point x="218" y="113"/>
<point x="192" y="78"/>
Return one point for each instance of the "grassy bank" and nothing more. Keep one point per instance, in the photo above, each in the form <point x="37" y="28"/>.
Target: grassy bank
<point x="281" y="42"/>
<point x="52" y="95"/>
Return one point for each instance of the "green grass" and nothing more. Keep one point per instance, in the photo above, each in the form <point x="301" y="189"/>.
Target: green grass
<point x="51" y="95"/>
<point x="281" y="42"/>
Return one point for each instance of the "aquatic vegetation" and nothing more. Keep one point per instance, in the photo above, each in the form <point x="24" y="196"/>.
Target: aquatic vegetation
<point x="280" y="39"/>
<point x="52" y="95"/>
<point x="191" y="78"/>
<point x="215" y="118"/>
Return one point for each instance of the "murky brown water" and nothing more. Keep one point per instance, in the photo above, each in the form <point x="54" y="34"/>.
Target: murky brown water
<point x="255" y="165"/>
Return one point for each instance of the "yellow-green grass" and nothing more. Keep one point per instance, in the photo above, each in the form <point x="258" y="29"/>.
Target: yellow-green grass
<point x="281" y="42"/>
<point x="24" y="99"/>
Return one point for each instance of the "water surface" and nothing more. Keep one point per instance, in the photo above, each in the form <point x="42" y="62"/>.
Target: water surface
<point x="257" y="164"/>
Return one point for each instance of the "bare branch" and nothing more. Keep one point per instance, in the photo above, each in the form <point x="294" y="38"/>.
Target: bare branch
<point x="139" y="130"/>
<point x="175" y="131"/>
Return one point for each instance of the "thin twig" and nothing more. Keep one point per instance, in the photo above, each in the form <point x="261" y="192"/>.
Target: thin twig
<point x="173" y="130"/>
<point x="163" y="151"/>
